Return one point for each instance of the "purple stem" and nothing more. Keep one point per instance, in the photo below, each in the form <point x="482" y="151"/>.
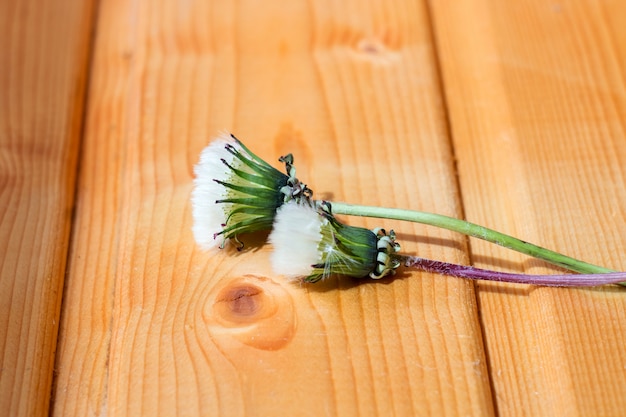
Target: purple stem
<point x="560" y="280"/>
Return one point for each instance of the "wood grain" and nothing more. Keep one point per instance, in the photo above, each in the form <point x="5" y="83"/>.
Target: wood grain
<point x="537" y="104"/>
<point x="43" y="70"/>
<point x="153" y="326"/>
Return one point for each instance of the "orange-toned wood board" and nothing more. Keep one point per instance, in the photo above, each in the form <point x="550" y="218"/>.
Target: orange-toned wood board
<point x="537" y="102"/>
<point x="508" y="114"/>
<point x="44" y="54"/>
<point x="154" y="326"/>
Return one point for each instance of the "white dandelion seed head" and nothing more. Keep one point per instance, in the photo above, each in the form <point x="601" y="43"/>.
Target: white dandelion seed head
<point x="296" y="236"/>
<point x="209" y="216"/>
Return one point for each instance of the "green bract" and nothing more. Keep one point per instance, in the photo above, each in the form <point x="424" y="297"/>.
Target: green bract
<point x="352" y="251"/>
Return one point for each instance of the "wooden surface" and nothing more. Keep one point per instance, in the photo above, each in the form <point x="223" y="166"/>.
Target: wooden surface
<point x="537" y="104"/>
<point x="44" y="50"/>
<point x="508" y="115"/>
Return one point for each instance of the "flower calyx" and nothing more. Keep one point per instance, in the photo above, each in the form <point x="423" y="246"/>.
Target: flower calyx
<point x="294" y="189"/>
<point x="386" y="262"/>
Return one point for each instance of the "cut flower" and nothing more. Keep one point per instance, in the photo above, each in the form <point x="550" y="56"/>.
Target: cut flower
<point x="237" y="192"/>
<point x="310" y="242"/>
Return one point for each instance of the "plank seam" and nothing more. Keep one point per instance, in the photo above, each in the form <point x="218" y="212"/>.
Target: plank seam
<point x="88" y="65"/>
<point x="448" y="130"/>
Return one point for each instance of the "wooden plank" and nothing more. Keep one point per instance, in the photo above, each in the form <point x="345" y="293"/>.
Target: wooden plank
<point x="151" y="324"/>
<point x="537" y="104"/>
<point x="43" y="70"/>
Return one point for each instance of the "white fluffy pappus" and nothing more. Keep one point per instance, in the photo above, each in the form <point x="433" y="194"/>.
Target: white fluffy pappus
<point x="209" y="216"/>
<point x="296" y="236"/>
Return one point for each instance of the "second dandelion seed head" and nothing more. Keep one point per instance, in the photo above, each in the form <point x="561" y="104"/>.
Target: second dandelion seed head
<point x="310" y="243"/>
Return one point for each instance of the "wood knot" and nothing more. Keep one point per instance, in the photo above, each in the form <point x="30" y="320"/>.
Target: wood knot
<point x="240" y="302"/>
<point x="376" y="50"/>
<point x="253" y="310"/>
<point x="371" y="46"/>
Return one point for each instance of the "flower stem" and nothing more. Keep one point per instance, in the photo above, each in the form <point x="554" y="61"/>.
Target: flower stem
<point x="469" y="272"/>
<point x="474" y="230"/>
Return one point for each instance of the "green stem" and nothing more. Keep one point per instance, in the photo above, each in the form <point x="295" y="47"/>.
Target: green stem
<point x="474" y="230"/>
